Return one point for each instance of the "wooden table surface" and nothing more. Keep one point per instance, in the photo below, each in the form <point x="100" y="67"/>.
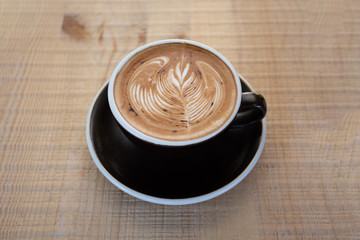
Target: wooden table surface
<point x="303" y="56"/>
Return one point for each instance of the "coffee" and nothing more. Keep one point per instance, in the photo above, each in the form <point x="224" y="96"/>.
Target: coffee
<point x="175" y="92"/>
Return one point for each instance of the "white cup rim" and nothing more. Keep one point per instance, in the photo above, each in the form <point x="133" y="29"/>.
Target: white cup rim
<point x="132" y="130"/>
<point x="167" y="201"/>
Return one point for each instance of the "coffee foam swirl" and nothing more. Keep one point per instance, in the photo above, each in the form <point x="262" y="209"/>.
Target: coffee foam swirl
<point x="175" y="92"/>
<point x="175" y="95"/>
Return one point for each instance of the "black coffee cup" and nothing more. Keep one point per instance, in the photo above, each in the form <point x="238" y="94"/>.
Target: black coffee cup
<point x="250" y="107"/>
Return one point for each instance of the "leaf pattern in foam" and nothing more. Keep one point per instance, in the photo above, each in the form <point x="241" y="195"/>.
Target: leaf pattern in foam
<point x="182" y="96"/>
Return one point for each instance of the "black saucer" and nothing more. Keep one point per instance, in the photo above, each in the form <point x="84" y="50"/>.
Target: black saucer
<point x="171" y="173"/>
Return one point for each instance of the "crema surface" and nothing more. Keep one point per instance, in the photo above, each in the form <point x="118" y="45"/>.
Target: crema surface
<point x="175" y="92"/>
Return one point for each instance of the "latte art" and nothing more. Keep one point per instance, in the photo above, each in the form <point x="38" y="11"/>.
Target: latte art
<point x="175" y="92"/>
<point x="179" y="96"/>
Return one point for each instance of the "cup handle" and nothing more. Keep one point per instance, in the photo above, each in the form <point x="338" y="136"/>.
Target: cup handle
<point x="252" y="109"/>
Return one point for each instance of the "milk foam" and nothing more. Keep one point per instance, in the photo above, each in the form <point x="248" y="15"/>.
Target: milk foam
<point x="175" y="92"/>
<point x="178" y="97"/>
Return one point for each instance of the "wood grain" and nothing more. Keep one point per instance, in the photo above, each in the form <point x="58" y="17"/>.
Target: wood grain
<point x="303" y="56"/>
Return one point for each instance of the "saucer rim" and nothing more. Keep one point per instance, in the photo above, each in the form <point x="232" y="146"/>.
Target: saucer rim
<point x="167" y="201"/>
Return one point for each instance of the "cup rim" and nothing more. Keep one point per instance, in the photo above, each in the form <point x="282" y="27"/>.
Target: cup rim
<point x="167" y="201"/>
<point x="132" y="130"/>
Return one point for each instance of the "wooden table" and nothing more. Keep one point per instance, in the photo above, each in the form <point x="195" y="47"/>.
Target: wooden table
<point x="303" y="56"/>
